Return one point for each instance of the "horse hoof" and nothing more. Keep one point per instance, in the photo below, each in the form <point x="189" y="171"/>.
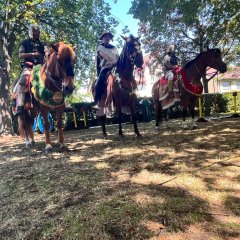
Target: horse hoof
<point x="105" y="135"/>
<point x="33" y="144"/>
<point x="63" y="147"/>
<point x="48" y="148"/>
<point x="185" y="127"/>
<point x="122" y="138"/>
<point x="158" y="128"/>
<point x="168" y="127"/>
<point x="28" y="146"/>
<point x="139" y="135"/>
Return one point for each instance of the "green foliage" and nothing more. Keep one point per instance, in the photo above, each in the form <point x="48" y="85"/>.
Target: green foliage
<point x="191" y="25"/>
<point x="230" y="102"/>
<point x="76" y="22"/>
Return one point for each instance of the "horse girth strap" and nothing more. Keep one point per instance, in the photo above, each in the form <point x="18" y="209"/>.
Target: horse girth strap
<point x="42" y="94"/>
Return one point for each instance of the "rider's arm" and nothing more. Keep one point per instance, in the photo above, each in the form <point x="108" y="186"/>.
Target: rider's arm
<point x="22" y="54"/>
<point x="167" y="63"/>
<point x="109" y="56"/>
<point x="28" y="55"/>
<point x="105" y="56"/>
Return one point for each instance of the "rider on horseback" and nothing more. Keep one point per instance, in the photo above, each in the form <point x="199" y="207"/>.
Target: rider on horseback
<point x="107" y="57"/>
<point x="170" y="62"/>
<point x="31" y="52"/>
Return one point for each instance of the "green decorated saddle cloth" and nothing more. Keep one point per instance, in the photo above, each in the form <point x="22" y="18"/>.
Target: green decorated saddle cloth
<point x="41" y="93"/>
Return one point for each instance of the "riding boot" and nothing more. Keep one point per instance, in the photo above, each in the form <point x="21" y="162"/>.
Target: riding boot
<point x="20" y="100"/>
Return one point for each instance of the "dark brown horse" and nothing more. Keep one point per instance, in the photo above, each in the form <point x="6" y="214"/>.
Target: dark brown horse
<point x="121" y="85"/>
<point x="50" y="84"/>
<point x="189" y="84"/>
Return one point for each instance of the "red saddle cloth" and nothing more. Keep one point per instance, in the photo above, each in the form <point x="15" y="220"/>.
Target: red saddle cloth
<point x="180" y="74"/>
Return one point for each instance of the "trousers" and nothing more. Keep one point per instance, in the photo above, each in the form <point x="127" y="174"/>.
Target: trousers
<point x="100" y="84"/>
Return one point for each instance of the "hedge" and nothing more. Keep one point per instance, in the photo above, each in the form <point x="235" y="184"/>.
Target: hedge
<point x="219" y="103"/>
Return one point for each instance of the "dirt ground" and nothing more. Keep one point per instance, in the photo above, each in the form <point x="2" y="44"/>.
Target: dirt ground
<point x="169" y="184"/>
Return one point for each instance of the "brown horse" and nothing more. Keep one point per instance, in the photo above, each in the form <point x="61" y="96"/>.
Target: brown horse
<point x="189" y="85"/>
<point x="50" y="84"/>
<point x="121" y="85"/>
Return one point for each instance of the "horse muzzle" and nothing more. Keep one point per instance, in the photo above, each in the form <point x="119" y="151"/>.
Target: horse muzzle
<point x="223" y="68"/>
<point x="68" y="90"/>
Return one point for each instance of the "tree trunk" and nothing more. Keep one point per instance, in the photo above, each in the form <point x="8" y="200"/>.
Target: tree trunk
<point x="5" y="115"/>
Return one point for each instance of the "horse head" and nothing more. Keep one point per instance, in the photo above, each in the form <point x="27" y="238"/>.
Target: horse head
<point x="213" y="59"/>
<point x="60" y="62"/>
<point x="133" y="50"/>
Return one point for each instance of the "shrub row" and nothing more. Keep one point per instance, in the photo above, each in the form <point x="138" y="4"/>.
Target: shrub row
<point x="218" y="103"/>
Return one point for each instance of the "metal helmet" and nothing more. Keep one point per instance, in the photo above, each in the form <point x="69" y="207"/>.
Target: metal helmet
<point x="31" y="28"/>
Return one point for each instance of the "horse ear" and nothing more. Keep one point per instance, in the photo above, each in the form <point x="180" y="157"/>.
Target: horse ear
<point x="124" y="37"/>
<point x="54" y="47"/>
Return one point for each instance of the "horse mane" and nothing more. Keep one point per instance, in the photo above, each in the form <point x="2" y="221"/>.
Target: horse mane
<point x="216" y="50"/>
<point x="122" y="58"/>
<point x="58" y="54"/>
<point x="65" y="51"/>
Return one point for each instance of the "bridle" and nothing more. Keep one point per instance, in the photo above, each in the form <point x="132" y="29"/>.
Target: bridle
<point x="133" y="55"/>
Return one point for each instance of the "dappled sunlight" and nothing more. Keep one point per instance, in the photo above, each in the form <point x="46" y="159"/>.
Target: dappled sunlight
<point x="214" y="197"/>
<point x="126" y="151"/>
<point x="76" y="158"/>
<point x="227" y="185"/>
<point x="102" y="165"/>
<point x="152" y="226"/>
<point x="145" y="199"/>
<point x="197" y="230"/>
<point x="145" y="178"/>
<point x="16" y="158"/>
<point x="121" y="176"/>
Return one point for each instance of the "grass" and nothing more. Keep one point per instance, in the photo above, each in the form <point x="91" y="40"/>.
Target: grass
<point x="171" y="184"/>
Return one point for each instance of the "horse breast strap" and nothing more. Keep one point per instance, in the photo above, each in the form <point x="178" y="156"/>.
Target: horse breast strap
<point x="45" y="96"/>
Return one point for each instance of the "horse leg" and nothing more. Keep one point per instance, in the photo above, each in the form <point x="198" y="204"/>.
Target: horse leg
<point x="120" y="132"/>
<point x="158" y="113"/>
<point x="184" y="124"/>
<point x="22" y="129"/>
<point x="46" y="125"/>
<point x="60" y="130"/>
<point x="29" y="119"/>
<point x="102" y="120"/>
<point x="134" y="118"/>
<point x="192" y="113"/>
<point x="166" y="116"/>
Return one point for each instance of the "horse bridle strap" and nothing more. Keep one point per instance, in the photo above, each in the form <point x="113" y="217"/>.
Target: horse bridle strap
<point x="53" y="81"/>
<point x="198" y="69"/>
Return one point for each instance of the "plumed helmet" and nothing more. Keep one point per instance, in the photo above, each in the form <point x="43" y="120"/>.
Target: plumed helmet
<point x="170" y="48"/>
<point x="31" y="28"/>
<point x="104" y="33"/>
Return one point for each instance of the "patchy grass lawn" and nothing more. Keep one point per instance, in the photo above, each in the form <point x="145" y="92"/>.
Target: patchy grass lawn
<point x="171" y="184"/>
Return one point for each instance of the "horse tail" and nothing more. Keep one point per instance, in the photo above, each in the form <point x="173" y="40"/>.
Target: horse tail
<point x="155" y="85"/>
<point x="25" y="122"/>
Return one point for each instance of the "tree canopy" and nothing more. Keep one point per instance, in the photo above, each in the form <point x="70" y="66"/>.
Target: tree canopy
<point x="191" y="25"/>
<point x="78" y="22"/>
